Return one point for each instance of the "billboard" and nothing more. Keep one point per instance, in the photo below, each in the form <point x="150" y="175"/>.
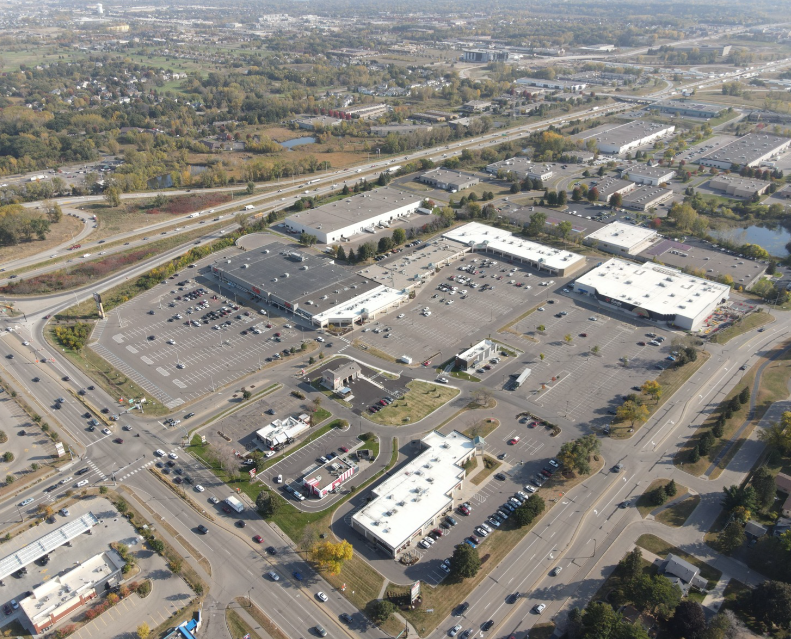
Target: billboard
<point x="414" y="592"/>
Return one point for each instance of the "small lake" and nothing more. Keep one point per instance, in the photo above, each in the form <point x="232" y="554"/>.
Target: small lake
<point x="290" y="144"/>
<point x="165" y="181"/>
<point x="773" y="240"/>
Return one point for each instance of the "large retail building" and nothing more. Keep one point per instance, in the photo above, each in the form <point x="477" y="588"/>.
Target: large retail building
<point x="654" y="292"/>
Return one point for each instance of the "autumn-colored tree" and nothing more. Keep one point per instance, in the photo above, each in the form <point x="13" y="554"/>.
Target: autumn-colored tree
<point x="331" y="556"/>
<point x="652" y="388"/>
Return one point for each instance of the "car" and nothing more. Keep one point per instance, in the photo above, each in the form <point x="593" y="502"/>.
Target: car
<point x="203" y="530"/>
<point x="500" y="477"/>
<point x="106" y="431"/>
<point x="297" y="575"/>
<point x="199" y="488"/>
<point x="240" y="523"/>
<point x="82" y="483"/>
<point x="81" y="471"/>
<point x="466" y="634"/>
<point x="556" y="571"/>
<point x="641" y="343"/>
<point x="10" y="356"/>
<point x="541" y="308"/>
<point x="487" y="625"/>
<point x="553" y="462"/>
<point x="539" y="608"/>
<point x="513" y="441"/>
<point x="25" y="502"/>
<point x="502" y="456"/>
<point x="159" y="452"/>
<point x="7" y="609"/>
<point x="173" y="455"/>
<point x="258" y="539"/>
<point x="321" y="596"/>
<point x="624" y="504"/>
<point x="118" y="440"/>
<point x="273" y="575"/>
<point x="461" y="609"/>
<point x="320" y="631"/>
<point x="451" y="520"/>
<point x="761" y="330"/>
<point x="743" y="367"/>
<point x="271" y="550"/>
<point x="36" y="379"/>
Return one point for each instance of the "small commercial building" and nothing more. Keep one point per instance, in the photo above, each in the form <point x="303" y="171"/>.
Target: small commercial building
<point x="521" y="167"/>
<point x="364" y="111"/>
<point x="610" y="186"/>
<point x="476" y="355"/>
<point x="688" y="108"/>
<point x="749" y="150"/>
<point x="448" y="180"/>
<point x="63" y="594"/>
<point x="412" y="502"/>
<point x="737" y="186"/>
<point x="516" y="250"/>
<point x="653" y="292"/>
<point x="622" y="239"/>
<point x="476" y="106"/>
<point x="645" y="174"/>
<point x="326" y="479"/>
<point x="630" y="136"/>
<point x="282" y="432"/>
<point x="336" y="221"/>
<point x="645" y="198"/>
<point x="337" y="378"/>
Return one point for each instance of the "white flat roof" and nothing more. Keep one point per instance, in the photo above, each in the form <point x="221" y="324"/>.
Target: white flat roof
<point x="654" y="287"/>
<point x="480" y="347"/>
<point x="479" y="235"/>
<point x="369" y="302"/>
<point x="281" y="430"/>
<point x="622" y="235"/>
<point x="405" y="501"/>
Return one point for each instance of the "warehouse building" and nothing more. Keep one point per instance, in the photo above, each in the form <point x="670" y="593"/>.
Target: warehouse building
<point x="559" y="85"/>
<point x="308" y="285"/>
<point x="685" y="108"/>
<point x="313" y="123"/>
<point x="645" y="174"/>
<point x="412" y="502"/>
<point x="621" y="239"/>
<point x="521" y="168"/>
<point x="653" y="292"/>
<point x="448" y="180"/>
<point x="748" y="150"/>
<point x="610" y="186"/>
<point x="340" y="220"/>
<point x="737" y="186"/>
<point x="282" y="431"/>
<point x="476" y="355"/>
<point x="516" y="250"/>
<point x="645" y="198"/>
<point x="630" y="136"/>
<point x="364" y="111"/>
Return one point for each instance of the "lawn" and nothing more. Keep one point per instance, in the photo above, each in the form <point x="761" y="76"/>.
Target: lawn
<point x="490" y="465"/>
<point x="677" y="514"/>
<point x="482" y="428"/>
<point x="267" y="625"/>
<point x="753" y="320"/>
<point x="644" y="504"/>
<point x="421" y="400"/>
<point x="661" y="548"/>
<point x="371" y="442"/>
<point x="237" y="626"/>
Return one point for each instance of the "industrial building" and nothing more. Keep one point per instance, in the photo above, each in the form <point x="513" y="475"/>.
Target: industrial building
<point x="515" y="250"/>
<point x="748" y="150"/>
<point x="685" y="108"/>
<point x="644" y="198"/>
<point x="309" y="285"/>
<point x="737" y="186"/>
<point x="448" y="180"/>
<point x="327" y="478"/>
<point x="342" y="219"/>
<point x="608" y="187"/>
<point x="476" y="355"/>
<point x="364" y="111"/>
<point x="521" y="167"/>
<point x="476" y="106"/>
<point x="645" y="174"/>
<point x="312" y="123"/>
<point x="412" y="502"/>
<point x="282" y="431"/>
<point x="61" y="595"/>
<point x="653" y="292"/>
<point x="484" y="55"/>
<point x="630" y="136"/>
<point x="621" y="239"/>
<point x="559" y="85"/>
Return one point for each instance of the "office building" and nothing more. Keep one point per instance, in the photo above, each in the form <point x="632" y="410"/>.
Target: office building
<point x="737" y="186"/>
<point x="448" y="180"/>
<point x="645" y="174"/>
<point x="607" y="187"/>
<point x="484" y="55"/>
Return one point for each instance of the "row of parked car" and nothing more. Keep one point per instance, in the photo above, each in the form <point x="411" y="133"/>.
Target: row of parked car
<point x="385" y="401"/>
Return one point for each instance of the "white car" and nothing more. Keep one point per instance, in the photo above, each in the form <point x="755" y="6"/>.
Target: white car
<point x="442" y="380"/>
<point x="539" y="608"/>
<point x="530" y="489"/>
<point x="322" y="596"/>
<point x="541" y="308"/>
<point x="279" y="479"/>
<point x="199" y="488"/>
<point x="401" y="315"/>
<point x="319" y="339"/>
<point x="25" y="343"/>
<point x="81" y="483"/>
<point x="106" y="431"/>
<point x="171" y="341"/>
<point x="455" y="630"/>
<point x="592" y="318"/>
<point x="159" y="452"/>
<point x="269" y="453"/>
<point x="173" y="456"/>
<point x="180" y="365"/>
<point x="65" y="480"/>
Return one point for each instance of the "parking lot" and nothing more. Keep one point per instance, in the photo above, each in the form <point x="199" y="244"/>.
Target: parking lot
<point x="177" y="349"/>
<point x="456" y="318"/>
<point x="586" y="388"/>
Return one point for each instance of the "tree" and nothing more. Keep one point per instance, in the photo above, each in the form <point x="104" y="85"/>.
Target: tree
<point x="465" y="561"/>
<point x="600" y="621"/>
<point x="399" y="237"/>
<point x="632" y="565"/>
<point x="331" y="556"/>
<point x="246" y="394"/>
<point x="563" y="197"/>
<point x="731" y="538"/>
<point x="689" y="620"/>
<point x="705" y="443"/>
<point x="351" y="258"/>
<point x="771" y="603"/>
<point x="525" y="514"/>
<point x="250" y="188"/>
<point x="514" y="188"/>
<point x="575" y="455"/>
<point x="671" y="488"/>
<point x="652" y="388"/>
<point x="568" y="338"/>
<point x="340" y="254"/>
<point x="593" y="194"/>
<point x="536" y="226"/>
<point x="266" y="504"/>
<point x="632" y="412"/>
<point x="658" y="496"/>
<point x="564" y="229"/>
<point x="694" y="454"/>
<point x="112" y="195"/>
<point x="143" y="631"/>
<point x="381" y="610"/>
<point x="744" y="395"/>
<point x="655" y="594"/>
<point x="777" y="436"/>
<point x="765" y="490"/>
<point x="736" y="496"/>
<point x="616" y="199"/>
<point x="385" y="244"/>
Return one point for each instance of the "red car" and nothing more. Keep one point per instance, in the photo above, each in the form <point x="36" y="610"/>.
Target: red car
<point x="583" y="334"/>
<point x="118" y="440"/>
<point x="277" y="334"/>
<point x="345" y="449"/>
<point x="513" y="441"/>
<point x="258" y="539"/>
<point x="641" y="343"/>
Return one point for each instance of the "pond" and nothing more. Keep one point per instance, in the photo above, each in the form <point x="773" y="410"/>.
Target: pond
<point x="289" y="144"/>
<point x="773" y="240"/>
<point x="165" y="181"/>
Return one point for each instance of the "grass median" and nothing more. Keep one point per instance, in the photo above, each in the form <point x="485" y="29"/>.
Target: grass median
<point x="742" y="326"/>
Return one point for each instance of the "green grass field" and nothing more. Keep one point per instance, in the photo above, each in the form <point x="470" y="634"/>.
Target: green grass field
<point x="421" y="400"/>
